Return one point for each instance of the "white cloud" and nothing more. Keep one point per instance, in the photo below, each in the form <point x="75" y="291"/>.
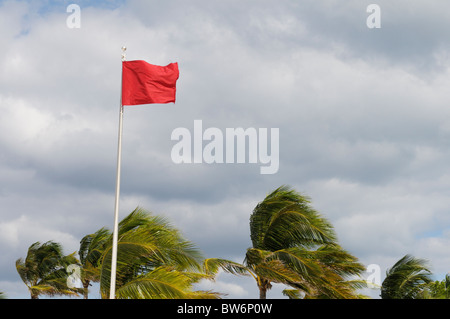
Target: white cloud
<point x="23" y="230"/>
<point x="227" y="288"/>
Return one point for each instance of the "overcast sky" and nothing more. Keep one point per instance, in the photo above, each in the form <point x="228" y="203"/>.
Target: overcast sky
<point x="363" y="116"/>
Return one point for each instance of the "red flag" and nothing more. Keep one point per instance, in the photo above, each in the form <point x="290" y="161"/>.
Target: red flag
<point x="144" y="83"/>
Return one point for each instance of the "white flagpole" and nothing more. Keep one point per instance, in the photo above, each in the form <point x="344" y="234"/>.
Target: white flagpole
<point x="112" y="291"/>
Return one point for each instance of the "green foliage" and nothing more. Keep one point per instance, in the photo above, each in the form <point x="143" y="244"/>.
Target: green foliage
<point x="285" y="219"/>
<point x="153" y="260"/>
<point x="292" y="244"/>
<point x="296" y="246"/>
<point x="91" y="250"/>
<point x="438" y="289"/>
<point x="164" y="283"/>
<point x="145" y="244"/>
<point x="407" y="279"/>
<point x="212" y="265"/>
<point x="44" y="270"/>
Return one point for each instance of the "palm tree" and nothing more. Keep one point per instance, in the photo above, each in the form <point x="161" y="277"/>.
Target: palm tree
<point x="438" y="289"/>
<point x="91" y="250"/>
<point x="447" y="286"/>
<point x="406" y="279"/>
<point x="338" y="276"/>
<point x="153" y="261"/>
<point x="294" y="245"/>
<point x="281" y="226"/>
<point x="44" y="270"/>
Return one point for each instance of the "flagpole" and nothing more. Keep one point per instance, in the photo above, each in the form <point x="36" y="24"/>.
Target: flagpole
<point x="112" y="291"/>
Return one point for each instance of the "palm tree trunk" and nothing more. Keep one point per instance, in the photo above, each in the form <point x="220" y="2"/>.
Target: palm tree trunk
<point x="263" y="286"/>
<point x="85" y="288"/>
<point x="262" y="292"/>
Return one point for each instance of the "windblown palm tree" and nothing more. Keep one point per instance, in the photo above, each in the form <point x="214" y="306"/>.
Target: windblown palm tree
<point x="282" y="227"/>
<point x="438" y="289"/>
<point x="406" y="279"/>
<point x="294" y="245"/>
<point x="44" y="270"/>
<point x="153" y="261"/>
<point x="91" y="250"/>
<point x="339" y="275"/>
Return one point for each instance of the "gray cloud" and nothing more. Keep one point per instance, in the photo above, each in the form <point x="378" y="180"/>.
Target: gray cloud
<point x="362" y="116"/>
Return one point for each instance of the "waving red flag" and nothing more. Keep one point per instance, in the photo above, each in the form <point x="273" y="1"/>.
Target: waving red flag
<point x="145" y="83"/>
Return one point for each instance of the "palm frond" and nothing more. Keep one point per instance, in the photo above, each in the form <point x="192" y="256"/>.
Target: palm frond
<point x="212" y="265"/>
<point x="299" y="260"/>
<point x="286" y="219"/>
<point x="339" y="260"/>
<point x="406" y="279"/>
<point x="162" y="283"/>
<point x="255" y="256"/>
<point x="147" y="243"/>
<point x="44" y="269"/>
<point x="292" y="293"/>
<point x="92" y="245"/>
<point x="277" y="272"/>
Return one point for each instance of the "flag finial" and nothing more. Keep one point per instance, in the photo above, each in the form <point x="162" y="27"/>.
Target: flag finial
<point x="123" y="53"/>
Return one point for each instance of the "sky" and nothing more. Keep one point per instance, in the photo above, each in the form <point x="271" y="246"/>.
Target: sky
<point x="362" y="113"/>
